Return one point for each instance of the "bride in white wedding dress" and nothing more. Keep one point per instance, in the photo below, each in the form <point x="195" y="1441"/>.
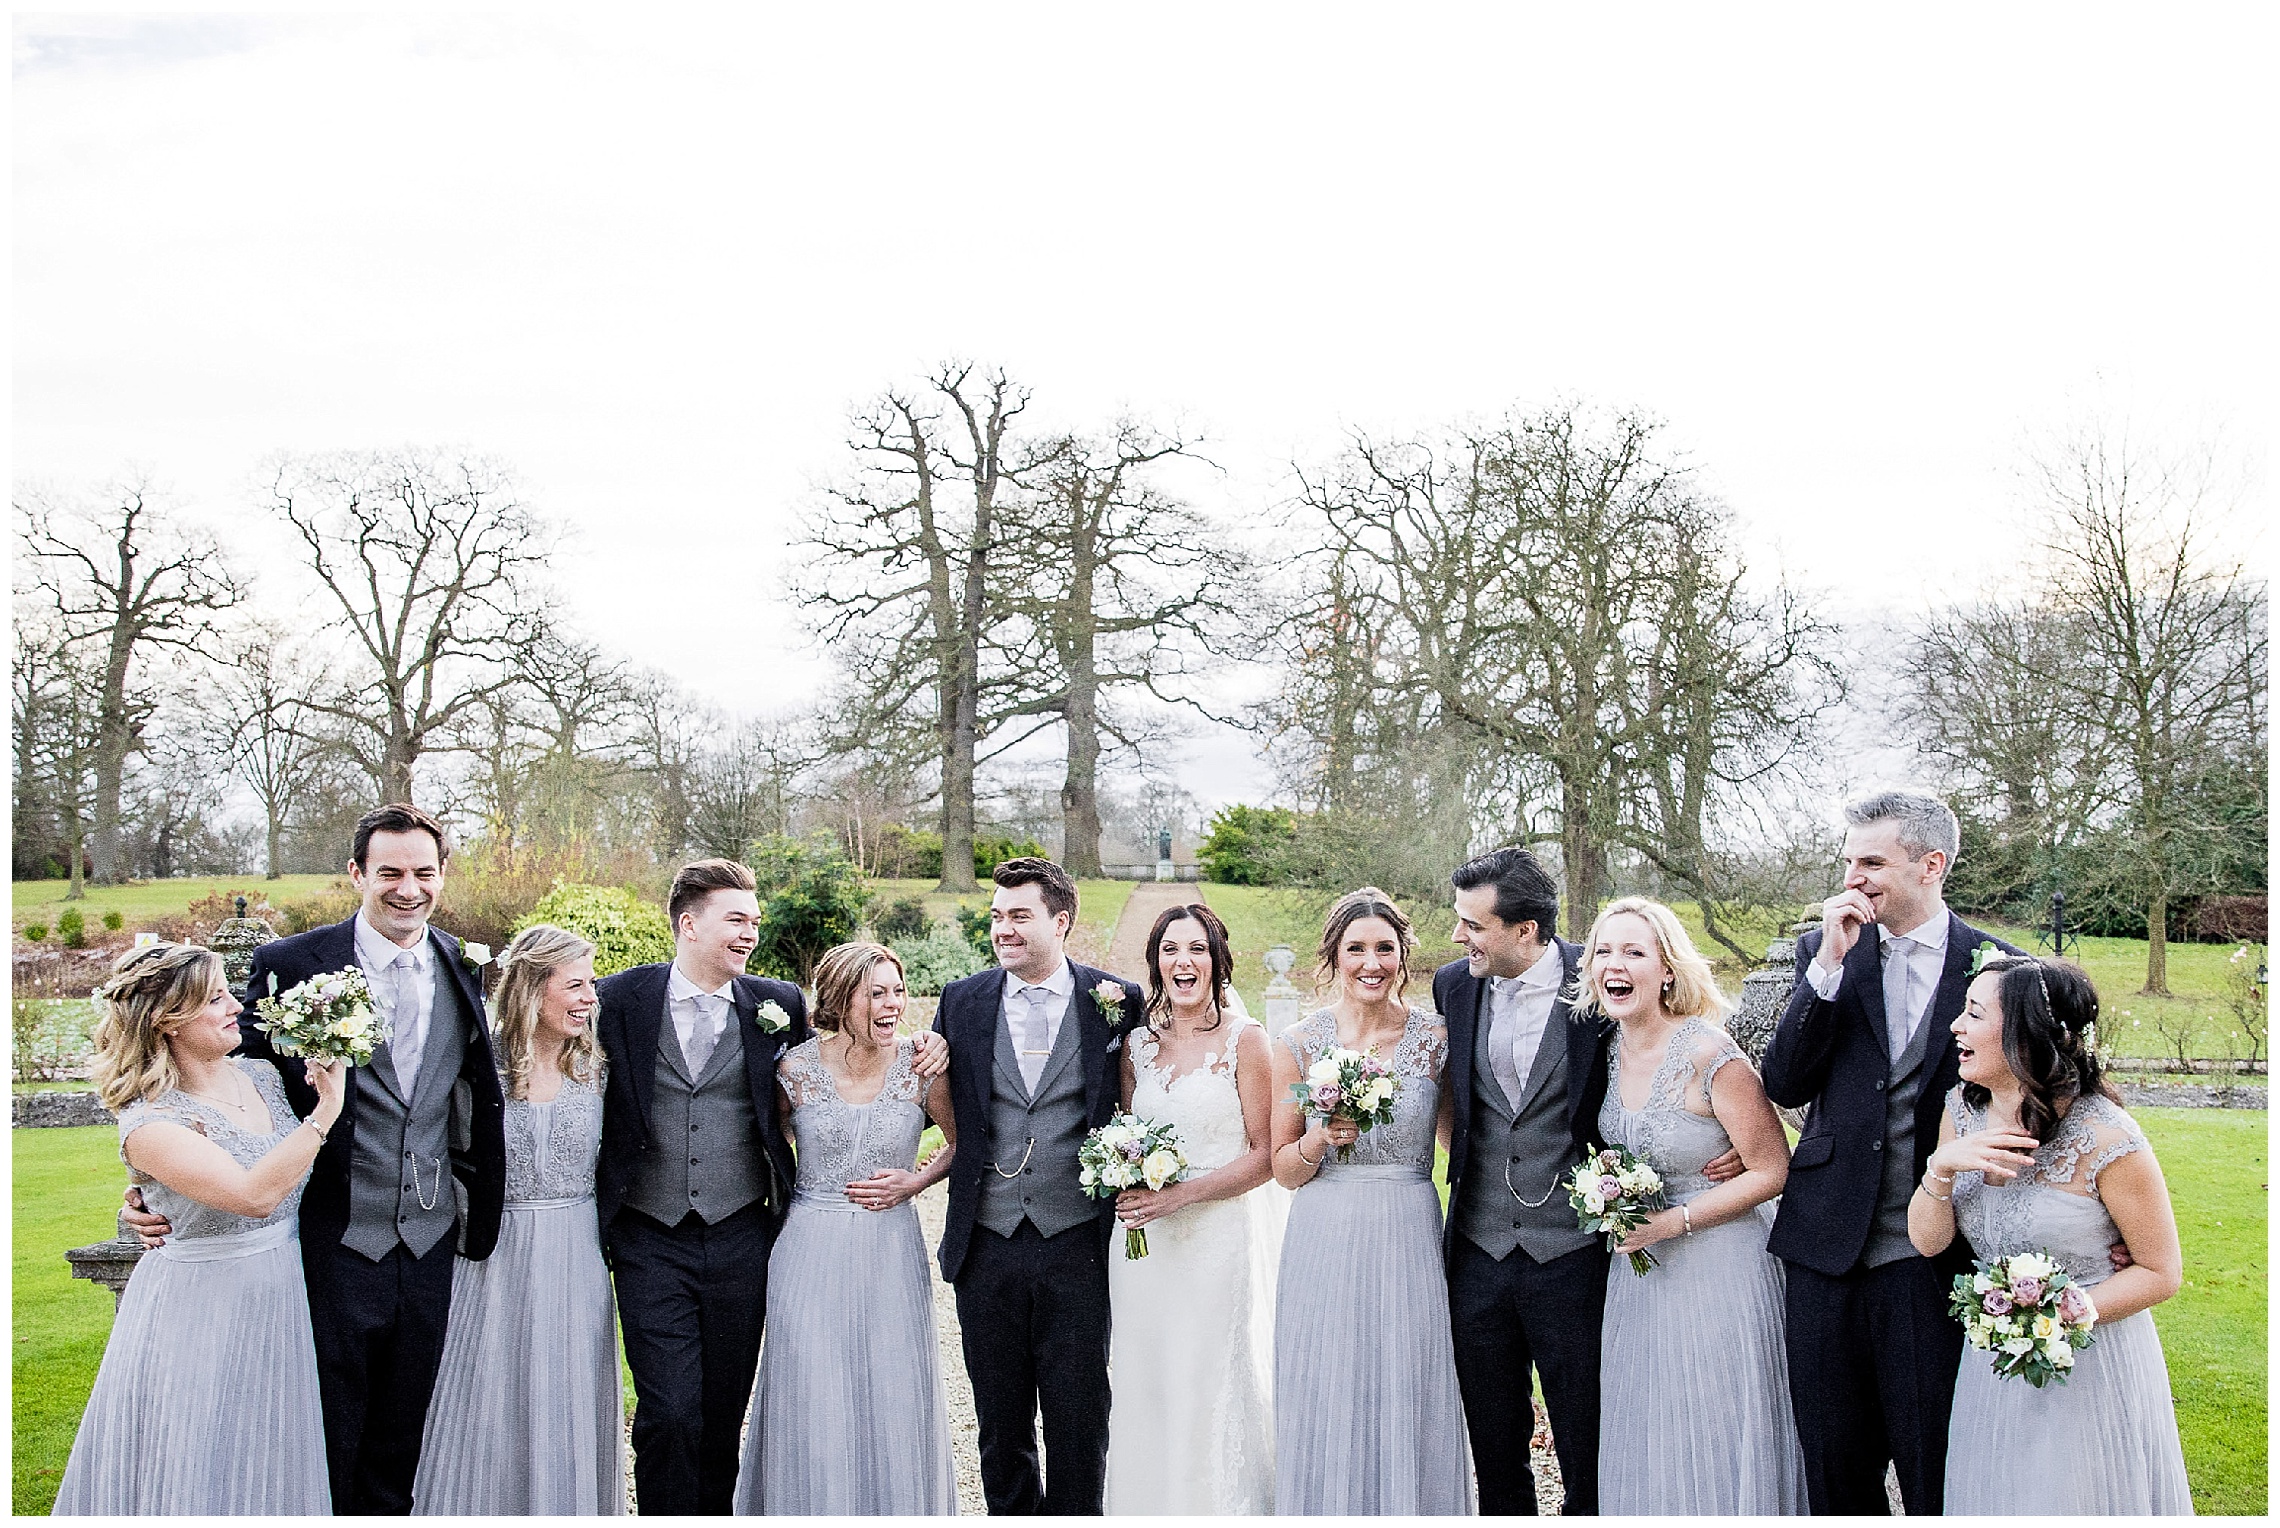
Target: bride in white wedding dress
<point x="1191" y="1427"/>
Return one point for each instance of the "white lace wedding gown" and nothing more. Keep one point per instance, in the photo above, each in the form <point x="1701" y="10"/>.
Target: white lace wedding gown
<point x="1190" y="1429"/>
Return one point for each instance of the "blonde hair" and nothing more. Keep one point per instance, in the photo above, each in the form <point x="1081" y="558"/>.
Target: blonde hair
<point x="1693" y="990"/>
<point x="147" y="996"/>
<point x="842" y="973"/>
<point x="1352" y="908"/>
<point x="529" y="964"/>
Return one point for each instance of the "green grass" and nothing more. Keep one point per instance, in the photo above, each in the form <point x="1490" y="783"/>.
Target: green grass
<point x="67" y="1185"/>
<point x="43" y="901"/>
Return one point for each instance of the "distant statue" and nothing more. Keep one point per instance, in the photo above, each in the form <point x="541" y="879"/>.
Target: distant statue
<point x="235" y="940"/>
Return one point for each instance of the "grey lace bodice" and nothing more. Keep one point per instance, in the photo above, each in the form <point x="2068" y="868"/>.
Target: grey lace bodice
<point x="191" y="1219"/>
<point x="1417" y="1063"/>
<point x="839" y="1142"/>
<point x="551" y="1146"/>
<point x="2053" y="1206"/>
<point x="1675" y="1140"/>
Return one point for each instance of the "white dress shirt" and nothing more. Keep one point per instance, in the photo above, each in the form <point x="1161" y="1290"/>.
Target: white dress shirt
<point x="1913" y="964"/>
<point x="406" y="1007"/>
<point x="1520" y="1008"/>
<point x="1057" y="989"/>
<point x="700" y="1018"/>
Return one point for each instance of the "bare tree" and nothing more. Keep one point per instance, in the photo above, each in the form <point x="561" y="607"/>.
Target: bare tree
<point x="427" y="558"/>
<point x="914" y="579"/>
<point x="1136" y="589"/>
<point x="125" y="578"/>
<point x="2171" y="662"/>
<point x="265" y="724"/>
<point x="747" y="784"/>
<point x="56" y="712"/>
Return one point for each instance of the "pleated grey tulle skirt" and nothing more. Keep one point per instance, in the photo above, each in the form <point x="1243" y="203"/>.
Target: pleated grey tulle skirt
<point x="528" y="1417"/>
<point x="206" y="1401"/>
<point x="849" y="1416"/>
<point x="1367" y="1416"/>
<point x="1694" y="1413"/>
<point x="2102" y="1444"/>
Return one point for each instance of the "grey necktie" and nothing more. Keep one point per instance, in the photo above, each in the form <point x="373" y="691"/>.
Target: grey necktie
<point x="699" y="1047"/>
<point x="409" y="1040"/>
<point x="1899" y="994"/>
<point x="1032" y="1040"/>
<point x="1502" y="997"/>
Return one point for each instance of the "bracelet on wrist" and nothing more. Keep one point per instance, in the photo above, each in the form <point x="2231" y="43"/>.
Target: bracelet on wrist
<point x="1926" y="1190"/>
<point x="1686" y="1215"/>
<point x="1299" y="1146"/>
<point x="1941" y="1177"/>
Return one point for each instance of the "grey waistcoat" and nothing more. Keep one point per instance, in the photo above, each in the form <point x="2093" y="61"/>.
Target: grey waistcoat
<point x="705" y="1153"/>
<point x="1888" y="1232"/>
<point x="1044" y="1192"/>
<point x="399" y="1170"/>
<point x="1536" y="1150"/>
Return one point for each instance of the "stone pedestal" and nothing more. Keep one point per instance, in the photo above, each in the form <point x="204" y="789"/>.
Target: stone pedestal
<point x="1281" y="998"/>
<point x="235" y="940"/>
<point x="110" y="1263"/>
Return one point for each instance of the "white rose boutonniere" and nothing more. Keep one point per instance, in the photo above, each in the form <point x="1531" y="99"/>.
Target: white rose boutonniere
<point x="771" y="1018"/>
<point x="476" y="956"/>
<point x="1109" y="995"/>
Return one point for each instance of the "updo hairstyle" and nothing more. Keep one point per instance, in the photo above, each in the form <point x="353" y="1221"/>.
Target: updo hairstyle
<point x="842" y="975"/>
<point x="149" y="994"/>
<point x="2048" y="1009"/>
<point x="1364" y="902"/>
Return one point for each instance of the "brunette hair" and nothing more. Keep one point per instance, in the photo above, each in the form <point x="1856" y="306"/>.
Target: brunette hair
<point x="842" y="974"/>
<point x="396" y="817"/>
<point x="2048" y="1011"/>
<point x="529" y="963"/>
<point x="1051" y="881"/>
<point x="1364" y="902"/>
<point x="1693" y="991"/>
<point x="694" y="882"/>
<point x="1159" y="1009"/>
<point x="146" y="997"/>
<point x="1525" y="891"/>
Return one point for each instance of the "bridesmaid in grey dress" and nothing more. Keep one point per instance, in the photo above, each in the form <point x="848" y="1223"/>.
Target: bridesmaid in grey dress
<point x="849" y="1416"/>
<point x="528" y="1415"/>
<point x="2035" y="1156"/>
<point x="1694" y="1411"/>
<point x="1368" y="1420"/>
<point x="206" y="1401"/>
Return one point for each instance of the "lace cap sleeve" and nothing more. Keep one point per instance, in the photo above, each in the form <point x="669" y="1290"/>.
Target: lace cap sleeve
<point x="801" y="1073"/>
<point x="153" y="1111"/>
<point x="903" y="1084"/>
<point x="1427" y="1043"/>
<point x="1958" y="1111"/>
<point x="1305" y="1038"/>
<point x="1713" y="1049"/>
<point x="2113" y="1136"/>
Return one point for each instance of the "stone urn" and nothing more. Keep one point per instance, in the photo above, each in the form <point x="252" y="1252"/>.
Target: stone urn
<point x="235" y="940"/>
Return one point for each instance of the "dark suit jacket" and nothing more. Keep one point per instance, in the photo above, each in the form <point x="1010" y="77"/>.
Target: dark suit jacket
<point x="967" y="1021"/>
<point x="478" y="1110"/>
<point x="633" y="1015"/>
<point x="1461" y="999"/>
<point x="1834" y="1057"/>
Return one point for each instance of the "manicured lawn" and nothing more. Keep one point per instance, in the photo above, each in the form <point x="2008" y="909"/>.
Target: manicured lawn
<point x="67" y="1185"/>
<point x="42" y="901"/>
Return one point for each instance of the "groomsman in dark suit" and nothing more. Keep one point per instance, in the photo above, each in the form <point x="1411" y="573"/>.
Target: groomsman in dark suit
<point x="1865" y="1048"/>
<point x="1032" y="1071"/>
<point x="418" y="1154"/>
<point x="693" y="1181"/>
<point x="1526" y="1285"/>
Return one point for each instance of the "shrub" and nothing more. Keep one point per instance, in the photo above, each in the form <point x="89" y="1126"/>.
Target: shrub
<point x="974" y="924"/>
<point x="35" y="932"/>
<point x="626" y="931"/>
<point x="335" y="904"/>
<point x="49" y="1037"/>
<point x="896" y="852"/>
<point x="1239" y="848"/>
<point x="114" y="920"/>
<point x="937" y="958"/>
<point x="811" y="897"/>
<point x="903" y="918"/>
<point x="72" y="926"/>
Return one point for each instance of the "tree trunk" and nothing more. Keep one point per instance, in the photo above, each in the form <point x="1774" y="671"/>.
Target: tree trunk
<point x="2156" y="944"/>
<point x="959" y="701"/>
<point x="1582" y="861"/>
<point x="276" y="832"/>
<point x="1080" y="789"/>
<point x="76" y="838"/>
<point x="396" y="771"/>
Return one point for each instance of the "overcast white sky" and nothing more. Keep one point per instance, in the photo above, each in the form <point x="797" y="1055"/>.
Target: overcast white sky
<point x="651" y="255"/>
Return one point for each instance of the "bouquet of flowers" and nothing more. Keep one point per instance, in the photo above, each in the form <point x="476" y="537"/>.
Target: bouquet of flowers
<point x="1614" y="1190"/>
<point x="1130" y="1152"/>
<point x="1346" y="1084"/>
<point x="326" y="1018"/>
<point x="2028" y="1312"/>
